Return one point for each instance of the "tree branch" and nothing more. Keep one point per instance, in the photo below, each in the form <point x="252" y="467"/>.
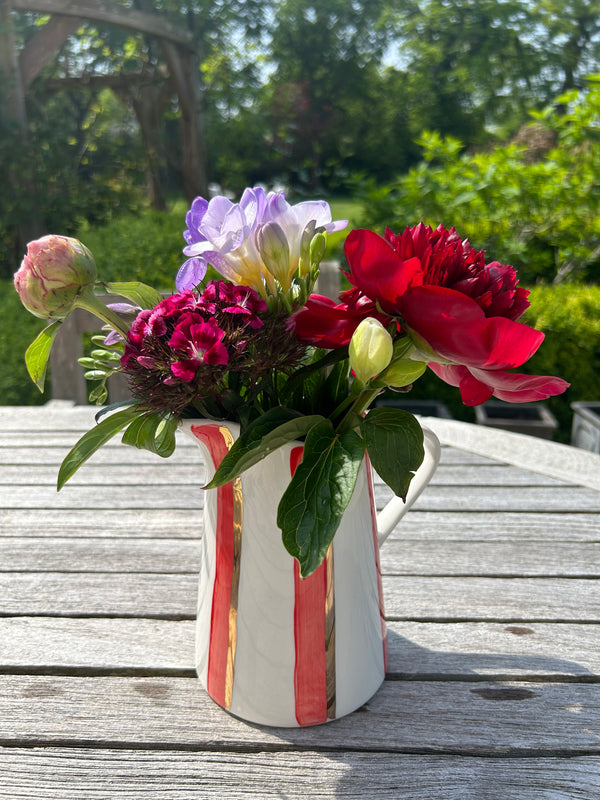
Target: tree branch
<point x="152" y="24"/>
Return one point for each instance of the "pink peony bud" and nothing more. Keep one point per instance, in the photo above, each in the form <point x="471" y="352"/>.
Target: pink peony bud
<point x="53" y="274"/>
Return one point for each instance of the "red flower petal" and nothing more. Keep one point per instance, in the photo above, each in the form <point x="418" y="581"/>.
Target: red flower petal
<point x="378" y="271"/>
<point x="456" y="328"/>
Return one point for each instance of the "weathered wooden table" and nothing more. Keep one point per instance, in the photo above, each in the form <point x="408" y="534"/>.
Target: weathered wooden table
<point x="492" y="588"/>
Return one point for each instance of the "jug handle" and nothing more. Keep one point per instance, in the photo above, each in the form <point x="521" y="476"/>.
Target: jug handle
<point x="392" y="513"/>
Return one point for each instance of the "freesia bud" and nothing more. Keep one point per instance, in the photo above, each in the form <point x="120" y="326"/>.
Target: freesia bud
<point x="317" y="248"/>
<point x="274" y="250"/>
<point x="370" y="350"/>
<point x="53" y="274"/>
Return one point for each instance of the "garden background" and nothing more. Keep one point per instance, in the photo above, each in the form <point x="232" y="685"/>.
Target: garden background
<point x="478" y="114"/>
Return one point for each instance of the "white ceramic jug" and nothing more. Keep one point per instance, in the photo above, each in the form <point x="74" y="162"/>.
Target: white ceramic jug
<point x="273" y="648"/>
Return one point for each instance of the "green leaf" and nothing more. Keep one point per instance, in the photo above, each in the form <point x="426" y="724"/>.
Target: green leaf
<point x="92" y="440"/>
<point x="164" y="438"/>
<point x="337" y="383"/>
<point x="38" y="353"/>
<point x="394" y="441"/>
<point x="271" y="430"/>
<point x="312" y="506"/>
<point x="138" y="293"/>
<point x="153" y="432"/>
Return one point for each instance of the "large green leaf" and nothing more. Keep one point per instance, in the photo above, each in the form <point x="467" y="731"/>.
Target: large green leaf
<point x="92" y="440"/>
<point x="311" y="508"/>
<point x="139" y="293"/>
<point x="394" y="441"/>
<point x="153" y="432"/>
<point x="271" y="430"/>
<point x="38" y="353"/>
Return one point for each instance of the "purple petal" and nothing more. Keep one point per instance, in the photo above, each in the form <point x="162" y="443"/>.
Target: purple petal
<point x="193" y="219"/>
<point x="124" y="308"/>
<point x="254" y="204"/>
<point x="113" y="338"/>
<point x="190" y="273"/>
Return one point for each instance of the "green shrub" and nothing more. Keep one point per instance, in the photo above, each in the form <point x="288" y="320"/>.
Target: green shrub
<point x="18" y="329"/>
<point x="569" y="315"/>
<point x="144" y="247"/>
<point x="533" y="203"/>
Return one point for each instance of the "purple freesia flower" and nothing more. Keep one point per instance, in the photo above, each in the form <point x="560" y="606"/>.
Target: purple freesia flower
<point x="227" y="235"/>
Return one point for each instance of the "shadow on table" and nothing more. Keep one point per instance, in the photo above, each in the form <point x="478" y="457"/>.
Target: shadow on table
<point x="438" y="705"/>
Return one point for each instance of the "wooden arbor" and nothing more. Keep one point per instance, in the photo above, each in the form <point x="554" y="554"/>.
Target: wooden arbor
<point x="178" y="49"/>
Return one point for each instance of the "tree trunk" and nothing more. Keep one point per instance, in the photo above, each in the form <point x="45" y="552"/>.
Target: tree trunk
<point x="184" y="70"/>
<point x="12" y="103"/>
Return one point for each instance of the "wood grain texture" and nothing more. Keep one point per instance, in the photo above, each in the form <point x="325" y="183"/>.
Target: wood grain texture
<point x="189" y="471"/>
<point x="399" y="556"/>
<point x="436" y="498"/>
<point x="466" y="651"/>
<point x="421" y="525"/>
<point x="406" y="597"/>
<point x="482" y="718"/>
<point x="159" y="775"/>
<point x="492" y="593"/>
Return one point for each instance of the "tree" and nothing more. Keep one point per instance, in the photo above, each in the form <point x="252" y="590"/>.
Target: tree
<point x="326" y="57"/>
<point x="535" y="207"/>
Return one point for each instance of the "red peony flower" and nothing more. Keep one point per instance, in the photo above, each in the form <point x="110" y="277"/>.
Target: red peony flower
<point x="460" y="312"/>
<point x="327" y="324"/>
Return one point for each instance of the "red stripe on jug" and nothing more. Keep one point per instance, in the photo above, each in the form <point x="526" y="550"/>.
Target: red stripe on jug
<point x="310" y="685"/>
<point x="214" y="440"/>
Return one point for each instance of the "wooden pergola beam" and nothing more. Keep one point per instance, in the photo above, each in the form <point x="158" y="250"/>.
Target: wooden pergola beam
<point x="151" y="24"/>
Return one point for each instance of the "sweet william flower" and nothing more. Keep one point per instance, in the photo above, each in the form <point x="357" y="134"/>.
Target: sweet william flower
<point x="53" y="274"/>
<point x="370" y="350"/>
<point x="200" y="341"/>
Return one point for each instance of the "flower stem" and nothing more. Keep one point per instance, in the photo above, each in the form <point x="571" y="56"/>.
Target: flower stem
<point x="88" y="301"/>
<point x="357" y="409"/>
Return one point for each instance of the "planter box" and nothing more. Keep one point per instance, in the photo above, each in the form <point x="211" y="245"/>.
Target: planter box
<point x="424" y="408"/>
<point x="533" y="419"/>
<point x="585" y="432"/>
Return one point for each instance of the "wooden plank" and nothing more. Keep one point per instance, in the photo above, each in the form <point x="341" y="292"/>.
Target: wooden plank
<point x="500" y="526"/>
<point x="58" y="774"/>
<point x="482" y="558"/>
<point x="434" y="498"/>
<point x="52" y="643"/>
<point x="419" y="525"/>
<point x="399" y="556"/>
<point x="475" y="718"/>
<point x="192" y="471"/>
<point x="172" y="522"/>
<point x="167" y="556"/>
<point x="143" y="497"/>
<point x="494" y="599"/>
<point x="409" y="598"/>
<point x="504" y="498"/>
<point x="465" y="651"/>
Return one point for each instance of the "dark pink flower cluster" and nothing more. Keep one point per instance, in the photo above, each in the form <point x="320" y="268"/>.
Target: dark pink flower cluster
<point x="185" y="349"/>
<point x="197" y="329"/>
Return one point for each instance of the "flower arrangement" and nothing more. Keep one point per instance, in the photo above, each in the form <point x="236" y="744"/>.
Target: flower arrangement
<point x="258" y="347"/>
